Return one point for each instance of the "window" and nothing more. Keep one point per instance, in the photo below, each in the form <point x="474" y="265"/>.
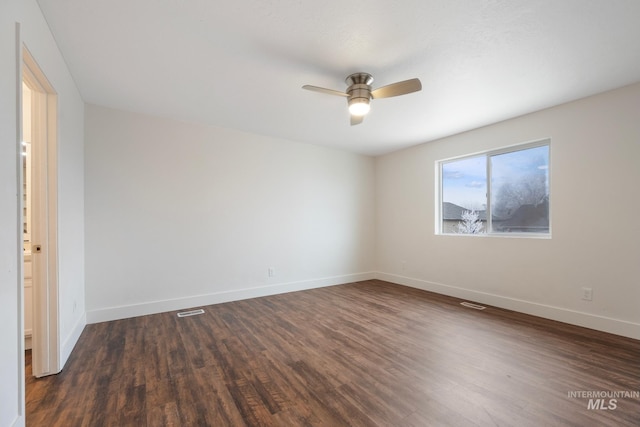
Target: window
<point x="499" y="192"/>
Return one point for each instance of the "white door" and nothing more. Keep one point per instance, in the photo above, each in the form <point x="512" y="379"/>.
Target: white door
<point x="43" y="226"/>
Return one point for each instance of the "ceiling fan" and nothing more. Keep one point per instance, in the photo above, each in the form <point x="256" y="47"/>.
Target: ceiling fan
<point x="359" y="93"/>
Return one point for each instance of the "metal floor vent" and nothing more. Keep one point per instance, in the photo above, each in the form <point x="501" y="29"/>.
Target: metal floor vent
<point x="191" y="313"/>
<point x="472" y="305"/>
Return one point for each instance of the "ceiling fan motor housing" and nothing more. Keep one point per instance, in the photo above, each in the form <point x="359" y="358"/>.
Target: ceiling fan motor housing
<point x="359" y="93"/>
<point x="359" y="89"/>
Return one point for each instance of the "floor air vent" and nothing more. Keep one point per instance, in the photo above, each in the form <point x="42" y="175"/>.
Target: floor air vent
<point x="472" y="305"/>
<point x="191" y="313"/>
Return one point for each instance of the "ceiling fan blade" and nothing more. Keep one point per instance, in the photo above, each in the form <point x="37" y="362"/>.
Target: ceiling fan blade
<point x="324" y="90"/>
<point x="396" y="89"/>
<point x="356" y="120"/>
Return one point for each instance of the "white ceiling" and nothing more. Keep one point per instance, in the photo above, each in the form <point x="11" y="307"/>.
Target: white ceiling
<point x="241" y="64"/>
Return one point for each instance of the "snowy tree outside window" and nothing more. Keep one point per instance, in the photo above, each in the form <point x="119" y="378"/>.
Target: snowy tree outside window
<point x="470" y="223"/>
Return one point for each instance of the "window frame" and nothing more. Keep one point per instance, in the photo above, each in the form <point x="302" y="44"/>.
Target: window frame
<point x="488" y="154"/>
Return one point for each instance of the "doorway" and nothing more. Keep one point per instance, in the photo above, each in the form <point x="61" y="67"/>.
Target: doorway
<point x="40" y="227"/>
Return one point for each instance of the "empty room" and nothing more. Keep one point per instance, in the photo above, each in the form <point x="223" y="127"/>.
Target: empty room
<point x="286" y="213"/>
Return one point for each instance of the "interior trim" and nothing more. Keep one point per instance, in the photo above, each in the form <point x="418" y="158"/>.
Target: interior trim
<point x="153" y="307"/>
<point x="573" y="317"/>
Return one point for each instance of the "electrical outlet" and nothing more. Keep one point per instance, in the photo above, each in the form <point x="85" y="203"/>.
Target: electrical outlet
<point x="587" y="294"/>
<point x="271" y="272"/>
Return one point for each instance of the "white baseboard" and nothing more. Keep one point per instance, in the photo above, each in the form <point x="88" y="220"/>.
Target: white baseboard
<point x="600" y="323"/>
<point x="18" y="422"/>
<point x="27" y="340"/>
<point x="72" y="339"/>
<point x="153" y="307"/>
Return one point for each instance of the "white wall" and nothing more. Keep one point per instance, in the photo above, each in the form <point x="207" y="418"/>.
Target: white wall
<point x="36" y="36"/>
<point x="181" y="214"/>
<point x="595" y="203"/>
<point x="11" y="399"/>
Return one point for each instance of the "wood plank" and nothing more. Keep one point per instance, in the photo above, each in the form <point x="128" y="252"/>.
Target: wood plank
<point x="363" y="354"/>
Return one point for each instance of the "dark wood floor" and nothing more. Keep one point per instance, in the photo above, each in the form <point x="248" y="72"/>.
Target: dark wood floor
<point x="363" y="354"/>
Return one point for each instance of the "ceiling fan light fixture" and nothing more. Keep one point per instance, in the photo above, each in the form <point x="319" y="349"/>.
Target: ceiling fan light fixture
<point x="359" y="93"/>
<point x="359" y="106"/>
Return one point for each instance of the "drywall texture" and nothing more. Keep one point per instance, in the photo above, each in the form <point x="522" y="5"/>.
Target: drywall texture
<point x="595" y="147"/>
<point x="177" y="210"/>
<point x="35" y="36"/>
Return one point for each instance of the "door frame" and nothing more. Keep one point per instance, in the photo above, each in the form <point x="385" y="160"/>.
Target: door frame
<point x="44" y="221"/>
